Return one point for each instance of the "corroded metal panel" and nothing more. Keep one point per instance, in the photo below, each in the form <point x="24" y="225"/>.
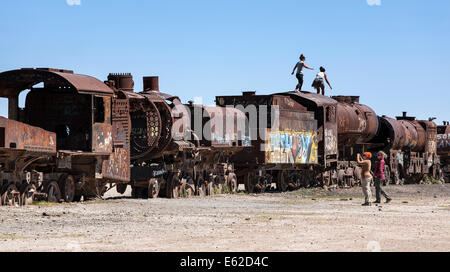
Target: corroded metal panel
<point x="117" y="167"/>
<point x="102" y="140"/>
<point x="357" y="123"/>
<point x="224" y="126"/>
<point x="13" y="82"/>
<point x="17" y="135"/>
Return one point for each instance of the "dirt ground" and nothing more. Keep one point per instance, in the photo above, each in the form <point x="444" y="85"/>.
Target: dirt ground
<point x="306" y="220"/>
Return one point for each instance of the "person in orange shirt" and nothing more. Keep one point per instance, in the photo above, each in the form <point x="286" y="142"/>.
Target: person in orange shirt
<point x="367" y="178"/>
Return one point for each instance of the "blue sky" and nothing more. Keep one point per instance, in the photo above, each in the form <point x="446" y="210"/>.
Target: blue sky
<point x="394" y="55"/>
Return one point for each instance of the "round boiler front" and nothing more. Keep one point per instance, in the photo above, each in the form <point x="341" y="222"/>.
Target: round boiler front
<point x="357" y="123"/>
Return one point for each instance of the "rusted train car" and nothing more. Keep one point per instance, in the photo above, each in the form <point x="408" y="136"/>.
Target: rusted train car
<point x="170" y="155"/>
<point x="443" y="149"/>
<point x="76" y="135"/>
<point x="315" y="142"/>
<point x="411" y="148"/>
<point x="62" y="144"/>
<point x="293" y="140"/>
<point x="317" y="138"/>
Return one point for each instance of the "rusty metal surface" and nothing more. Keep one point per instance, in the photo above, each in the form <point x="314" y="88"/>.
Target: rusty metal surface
<point x="324" y="109"/>
<point x="122" y="81"/>
<point x="146" y="126"/>
<point x="102" y="140"/>
<point x="415" y="134"/>
<point x="151" y="83"/>
<point x="407" y="134"/>
<point x="222" y="124"/>
<point x="17" y="135"/>
<point x="15" y="81"/>
<point x="318" y="99"/>
<point x="357" y="123"/>
<point x="153" y="116"/>
<point x="293" y="139"/>
<point x="117" y="167"/>
<point x="392" y="133"/>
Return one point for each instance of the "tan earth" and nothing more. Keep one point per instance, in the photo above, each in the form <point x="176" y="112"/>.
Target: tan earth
<point x="306" y="220"/>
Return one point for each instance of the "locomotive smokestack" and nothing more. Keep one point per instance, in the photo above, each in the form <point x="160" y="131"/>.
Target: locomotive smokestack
<point x="151" y="83"/>
<point x="122" y="81"/>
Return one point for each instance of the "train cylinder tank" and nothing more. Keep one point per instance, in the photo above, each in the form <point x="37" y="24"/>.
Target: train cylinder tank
<point x="357" y="123"/>
<point x="406" y="133"/>
<point x="415" y="134"/>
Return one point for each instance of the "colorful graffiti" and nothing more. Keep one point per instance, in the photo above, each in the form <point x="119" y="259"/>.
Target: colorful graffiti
<point x="443" y="141"/>
<point x="330" y="142"/>
<point x="292" y="147"/>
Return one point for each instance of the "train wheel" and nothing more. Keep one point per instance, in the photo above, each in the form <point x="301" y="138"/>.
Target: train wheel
<point x="282" y="181"/>
<point x="67" y="187"/>
<point x="232" y="183"/>
<point x="27" y="194"/>
<point x="10" y="196"/>
<point x="121" y="188"/>
<point x="53" y="192"/>
<point x="153" y="188"/>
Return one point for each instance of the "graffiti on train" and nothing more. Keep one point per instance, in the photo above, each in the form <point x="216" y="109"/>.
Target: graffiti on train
<point x="443" y="141"/>
<point x="292" y="147"/>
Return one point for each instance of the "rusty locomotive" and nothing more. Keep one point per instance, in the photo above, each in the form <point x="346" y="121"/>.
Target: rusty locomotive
<point x="317" y="138"/>
<point x="79" y="137"/>
<point x="76" y="135"/>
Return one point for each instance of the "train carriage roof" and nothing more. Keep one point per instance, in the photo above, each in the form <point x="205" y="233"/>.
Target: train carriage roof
<point x="15" y="81"/>
<point x="317" y="99"/>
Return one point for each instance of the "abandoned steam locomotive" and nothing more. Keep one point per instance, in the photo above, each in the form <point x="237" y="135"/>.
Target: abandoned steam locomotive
<point x="78" y="137"/>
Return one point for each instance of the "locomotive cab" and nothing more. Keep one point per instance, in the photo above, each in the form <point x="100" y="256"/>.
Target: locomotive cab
<point x="75" y="107"/>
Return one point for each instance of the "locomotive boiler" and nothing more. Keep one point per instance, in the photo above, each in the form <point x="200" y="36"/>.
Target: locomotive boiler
<point x="411" y="148"/>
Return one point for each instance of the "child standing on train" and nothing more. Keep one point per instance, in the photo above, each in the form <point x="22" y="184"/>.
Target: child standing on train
<point x="299" y="66"/>
<point x="318" y="81"/>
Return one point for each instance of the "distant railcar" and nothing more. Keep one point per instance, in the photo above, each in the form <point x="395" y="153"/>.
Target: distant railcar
<point x="443" y="149"/>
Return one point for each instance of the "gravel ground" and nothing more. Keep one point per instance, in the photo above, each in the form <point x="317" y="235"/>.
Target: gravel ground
<point x="306" y="220"/>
